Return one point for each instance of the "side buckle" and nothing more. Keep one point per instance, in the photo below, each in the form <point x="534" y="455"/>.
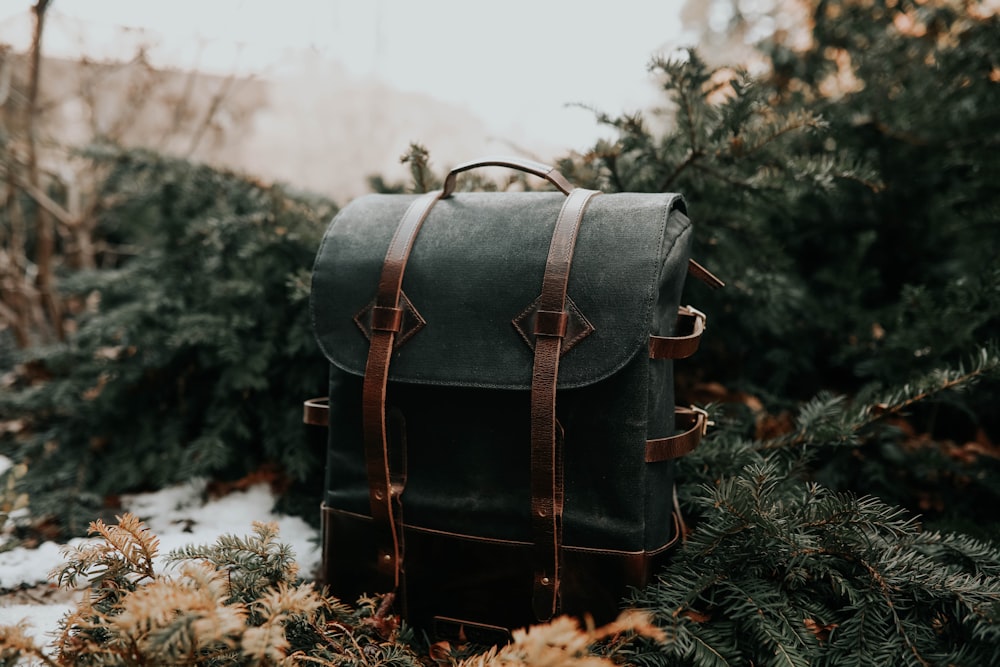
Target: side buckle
<point x="697" y="313"/>
<point x="705" y="421"/>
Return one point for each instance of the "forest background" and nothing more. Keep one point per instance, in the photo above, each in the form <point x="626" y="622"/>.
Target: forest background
<point x="841" y="168"/>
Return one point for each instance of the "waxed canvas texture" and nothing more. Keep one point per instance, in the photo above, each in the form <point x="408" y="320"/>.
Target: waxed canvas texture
<point x="468" y="460"/>
<point x="478" y="262"/>
<point x="458" y="395"/>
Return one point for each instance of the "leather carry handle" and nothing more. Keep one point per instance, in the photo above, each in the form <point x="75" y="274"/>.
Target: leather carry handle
<point x="557" y="179"/>
<point x="521" y="164"/>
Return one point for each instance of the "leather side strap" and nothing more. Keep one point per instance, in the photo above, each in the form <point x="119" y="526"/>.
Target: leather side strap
<point x="546" y="475"/>
<point x="680" y="347"/>
<point x="316" y="411"/>
<point x="383" y="495"/>
<point x="694" y="421"/>
<point x="698" y="271"/>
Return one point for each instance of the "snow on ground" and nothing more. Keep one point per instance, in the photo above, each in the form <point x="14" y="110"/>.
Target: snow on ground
<point x="178" y="515"/>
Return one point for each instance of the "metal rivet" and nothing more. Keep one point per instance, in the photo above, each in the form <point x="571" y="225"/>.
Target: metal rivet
<point x="545" y="581"/>
<point x="379" y="495"/>
<point x="387" y="558"/>
<point x="541" y="513"/>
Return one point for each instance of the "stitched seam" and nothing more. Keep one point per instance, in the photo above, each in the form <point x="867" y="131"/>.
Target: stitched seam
<point x="517" y="323"/>
<point x="586" y="331"/>
<point x="499" y="541"/>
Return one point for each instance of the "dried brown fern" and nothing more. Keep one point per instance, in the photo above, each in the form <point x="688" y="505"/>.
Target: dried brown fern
<point x="183" y="618"/>
<point x="17" y="646"/>
<point x="125" y="554"/>
<point x="267" y="642"/>
<point x="563" y="643"/>
<point x="238" y="603"/>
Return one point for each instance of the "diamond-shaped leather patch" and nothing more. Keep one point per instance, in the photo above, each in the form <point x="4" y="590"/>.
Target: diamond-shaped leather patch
<point x="411" y="324"/>
<point x="578" y="327"/>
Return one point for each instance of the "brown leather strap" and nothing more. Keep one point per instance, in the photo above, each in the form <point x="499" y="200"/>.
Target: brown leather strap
<point x="698" y="271"/>
<point x="386" y="318"/>
<point x="546" y="473"/>
<point x="316" y="411"/>
<point x="694" y="421"/>
<point x="680" y="347"/>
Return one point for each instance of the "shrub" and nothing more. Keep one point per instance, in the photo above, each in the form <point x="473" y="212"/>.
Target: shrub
<point x="190" y="358"/>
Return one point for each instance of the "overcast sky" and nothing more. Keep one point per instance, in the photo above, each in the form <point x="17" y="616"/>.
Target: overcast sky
<point x="516" y="64"/>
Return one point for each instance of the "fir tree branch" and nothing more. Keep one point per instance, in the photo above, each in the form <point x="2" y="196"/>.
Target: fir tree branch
<point x="722" y="177"/>
<point x="807" y="122"/>
<point x="693" y="155"/>
<point x="987" y="364"/>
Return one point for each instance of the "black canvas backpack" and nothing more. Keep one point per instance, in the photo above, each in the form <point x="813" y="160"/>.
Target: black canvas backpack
<point x="501" y="413"/>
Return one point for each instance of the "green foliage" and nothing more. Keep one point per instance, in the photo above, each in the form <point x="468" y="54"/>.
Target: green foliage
<point x="238" y="602"/>
<point x="923" y="109"/>
<point x="849" y="199"/>
<point x="856" y="223"/>
<point x="782" y="570"/>
<point x="189" y="359"/>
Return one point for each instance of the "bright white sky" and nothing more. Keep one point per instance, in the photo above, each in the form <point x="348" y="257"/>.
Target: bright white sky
<point x="514" y="63"/>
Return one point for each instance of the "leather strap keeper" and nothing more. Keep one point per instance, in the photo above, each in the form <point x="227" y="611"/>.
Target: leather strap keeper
<point x="316" y="411"/>
<point x="680" y="347"/>
<point x="387" y="319"/>
<point x="695" y="421"/>
<point x="550" y="323"/>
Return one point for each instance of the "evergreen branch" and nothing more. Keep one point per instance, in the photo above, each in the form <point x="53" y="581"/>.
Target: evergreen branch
<point x="988" y="366"/>
<point x="724" y="178"/>
<point x="801" y="122"/>
<point x="705" y="645"/>
<point x="847" y="426"/>
<point x="693" y="155"/>
<point x="610" y="161"/>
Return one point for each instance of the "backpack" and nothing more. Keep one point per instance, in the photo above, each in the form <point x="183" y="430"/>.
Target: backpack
<point x="501" y="420"/>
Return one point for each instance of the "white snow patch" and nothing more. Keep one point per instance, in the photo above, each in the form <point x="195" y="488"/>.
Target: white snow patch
<point x="179" y="516"/>
<point x="30" y="566"/>
<point x="41" y="621"/>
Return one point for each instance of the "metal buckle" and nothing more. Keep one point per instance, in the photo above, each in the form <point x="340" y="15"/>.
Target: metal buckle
<point x="700" y="315"/>
<point x="706" y="423"/>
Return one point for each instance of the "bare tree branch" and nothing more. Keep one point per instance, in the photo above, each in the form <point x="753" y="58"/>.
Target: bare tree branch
<point x="45" y="240"/>
<point x="45" y="202"/>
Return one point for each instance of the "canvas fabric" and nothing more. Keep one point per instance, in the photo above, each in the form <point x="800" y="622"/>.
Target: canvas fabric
<point x="458" y="399"/>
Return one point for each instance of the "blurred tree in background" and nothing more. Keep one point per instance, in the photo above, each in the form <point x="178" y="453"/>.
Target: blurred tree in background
<point x="52" y="194"/>
<point x="189" y="359"/>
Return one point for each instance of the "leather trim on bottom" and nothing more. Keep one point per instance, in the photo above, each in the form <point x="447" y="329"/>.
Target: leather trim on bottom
<point x="473" y="581"/>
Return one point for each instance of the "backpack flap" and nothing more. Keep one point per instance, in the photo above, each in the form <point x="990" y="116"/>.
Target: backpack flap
<point x="476" y="269"/>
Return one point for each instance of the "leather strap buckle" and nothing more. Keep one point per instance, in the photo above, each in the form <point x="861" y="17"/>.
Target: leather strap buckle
<point x="682" y="345"/>
<point x="691" y="310"/>
<point x="703" y="417"/>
